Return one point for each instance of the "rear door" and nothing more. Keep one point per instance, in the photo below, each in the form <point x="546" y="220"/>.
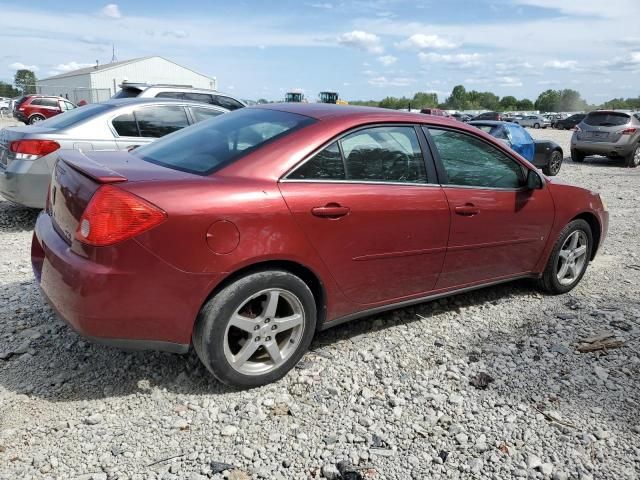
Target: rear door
<point x="375" y="217"/>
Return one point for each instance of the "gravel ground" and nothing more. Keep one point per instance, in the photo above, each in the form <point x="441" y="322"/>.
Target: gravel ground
<point x="398" y="395"/>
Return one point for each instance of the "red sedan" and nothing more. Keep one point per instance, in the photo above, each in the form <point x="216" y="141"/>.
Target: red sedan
<point x="245" y="234"/>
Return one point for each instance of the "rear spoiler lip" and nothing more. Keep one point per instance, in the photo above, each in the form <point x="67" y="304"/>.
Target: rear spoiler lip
<point x="90" y="168"/>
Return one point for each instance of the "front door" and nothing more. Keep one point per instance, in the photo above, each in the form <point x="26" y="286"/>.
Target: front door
<point x="367" y="207"/>
<point x="499" y="228"/>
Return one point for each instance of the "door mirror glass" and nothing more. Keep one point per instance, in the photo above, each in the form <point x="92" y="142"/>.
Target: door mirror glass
<point x="534" y="180"/>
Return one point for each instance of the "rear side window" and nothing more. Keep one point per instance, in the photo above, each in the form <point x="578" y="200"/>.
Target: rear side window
<point x="198" y="97"/>
<point x="607" y="119"/>
<point x="177" y="95"/>
<point x="212" y="144"/>
<point x="49" y="102"/>
<point x="161" y="120"/>
<point x="227" y="102"/>
<point x="37" y="102"/>
<point x="200" y="114"/>
<point x="378" y="154"/>
<point x="468" y="161"/>
<point x="125" y="125"/>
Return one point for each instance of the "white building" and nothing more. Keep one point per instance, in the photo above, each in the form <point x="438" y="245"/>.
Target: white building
<point x="100" y="82"/>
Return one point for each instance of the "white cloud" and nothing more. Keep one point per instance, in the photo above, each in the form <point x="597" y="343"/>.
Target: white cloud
<point x="22" y="66"/>
<point x="325" y="5"/>
<point x="368" y="42"/>
<point x="460" y="60"/>
<point x="561" y="64"/>
<point x="387" y="60"/>
<point x="111" y="10"/>
<point x="69" y="67"/>
<point x="420" y="41"/>
<point x="508" y="82"/>
<point x="391" y="82"/>
<point x="549" y="82"/>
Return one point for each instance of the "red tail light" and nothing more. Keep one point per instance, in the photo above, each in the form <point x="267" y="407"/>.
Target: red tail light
<point x="114" y="215"/>
<point x="28" y="149"/>
<point x="629" y="131"/>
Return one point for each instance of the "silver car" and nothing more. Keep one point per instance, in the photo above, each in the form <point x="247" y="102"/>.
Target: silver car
<point x="181" y="92"/>
<point x="535" y="121"/>
<point x="609" y="133"/>
<point x="27" y="153"/>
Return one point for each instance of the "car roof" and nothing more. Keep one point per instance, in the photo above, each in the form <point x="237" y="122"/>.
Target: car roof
<point x="325" y="111"/>
<point x="118" y="102"/>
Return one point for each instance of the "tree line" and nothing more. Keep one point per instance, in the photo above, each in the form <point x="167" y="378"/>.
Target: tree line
<point x="565" y="100"/>
<point x="24" y="83"/>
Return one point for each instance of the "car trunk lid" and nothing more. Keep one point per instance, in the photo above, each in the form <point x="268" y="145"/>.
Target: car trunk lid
<point x="77" y="176"/>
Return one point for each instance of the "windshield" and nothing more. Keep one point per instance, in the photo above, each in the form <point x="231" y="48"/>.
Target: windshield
<point x="607" y="119"/>
<point x="74" y="116"/>
<point x="212" y="144"/>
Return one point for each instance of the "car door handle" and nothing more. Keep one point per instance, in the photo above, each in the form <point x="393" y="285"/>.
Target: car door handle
<point x="331" y="210"/>
<point x="467" y="210"/>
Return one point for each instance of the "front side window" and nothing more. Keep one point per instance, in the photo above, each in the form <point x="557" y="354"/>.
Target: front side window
<point x="468" y="161"/>
<point x="161" y="120"/>
<point x="212" y="144"/>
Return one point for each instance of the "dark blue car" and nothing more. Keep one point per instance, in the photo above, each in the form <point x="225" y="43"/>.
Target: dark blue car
<point x="544" y="154"/>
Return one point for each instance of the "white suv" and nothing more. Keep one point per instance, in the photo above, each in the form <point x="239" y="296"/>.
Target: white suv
<point x="181" y="92"/>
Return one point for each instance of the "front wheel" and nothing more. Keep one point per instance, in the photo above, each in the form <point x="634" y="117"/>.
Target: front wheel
<point x="569" y="258"/>
<point x="256" y="329"/>
<point x="536" y="125"/>
<point x="555" y="162"/>
<point x="633" y="159"/>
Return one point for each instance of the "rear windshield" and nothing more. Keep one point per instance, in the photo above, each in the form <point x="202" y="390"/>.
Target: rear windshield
<point x="20" y="101"/>
<point x="212" y="144"/>
<point x="607" y="119"/>
<point x="71" y="117"/>
<point x="127" y="93"/>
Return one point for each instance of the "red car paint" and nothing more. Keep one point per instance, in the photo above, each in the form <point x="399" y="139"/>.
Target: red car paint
<point x="379" y="245"/>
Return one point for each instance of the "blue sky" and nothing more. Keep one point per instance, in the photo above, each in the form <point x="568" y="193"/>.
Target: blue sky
<point x="363" y="49"/>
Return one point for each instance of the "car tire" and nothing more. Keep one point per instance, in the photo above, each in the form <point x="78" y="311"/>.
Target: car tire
<point x="35" y="119"/>
<point x="577" y="156"/>
<point x="556" y="281"/>
<point x="536" y="125"/>
<point x="633" y="159"/>
<point x="234" y="337"/>
<point x="555" y="162"/>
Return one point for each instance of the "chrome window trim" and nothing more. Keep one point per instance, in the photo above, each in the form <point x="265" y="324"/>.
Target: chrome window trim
<point x="365" y="182"/>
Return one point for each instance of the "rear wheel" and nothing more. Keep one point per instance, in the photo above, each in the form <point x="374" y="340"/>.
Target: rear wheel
<point x="256" y="329"/>
<point x="536" y="125"/>
<point x="555" y="162"/>
<point x="35" y="119"/>
<point x="577" y="156"/>
<point x="569" y="258"/>
<point x="633" y="159"/>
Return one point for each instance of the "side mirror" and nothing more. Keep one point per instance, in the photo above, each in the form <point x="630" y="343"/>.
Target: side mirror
<point x="534" y="180"/>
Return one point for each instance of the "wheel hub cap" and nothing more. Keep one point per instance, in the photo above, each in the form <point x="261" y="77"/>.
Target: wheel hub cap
<point x="572" y="258"/>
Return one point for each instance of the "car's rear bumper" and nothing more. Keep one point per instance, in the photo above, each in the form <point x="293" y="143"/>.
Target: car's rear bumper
<point x="621" y="148"/>
<point x="126" y="297"/>
<point x="25" y="183"/>
<point x="19" y="116"/>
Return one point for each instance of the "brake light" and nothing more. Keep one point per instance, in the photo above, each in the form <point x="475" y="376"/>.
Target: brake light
<point x="33" y="149"/>
<point x="114" y="215"/>
<point x="628" y="131"/>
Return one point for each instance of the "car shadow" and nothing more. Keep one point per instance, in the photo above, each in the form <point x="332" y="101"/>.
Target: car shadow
<point x="16" y="218"/>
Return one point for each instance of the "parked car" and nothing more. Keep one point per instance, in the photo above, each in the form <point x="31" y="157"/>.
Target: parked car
<point x="246" y="234"/>
<point x="27" y="154"/>
<point x="32" y="109"/>
<point x="609" y="133"/>
<point x="544" y="154"/>
<point x="462" y="117"/>
<point x="5" y="105"/>
<point x="488" y="116"/>
<point x="434" y="111"/>
<point x="179" y="92"/>
<point x="535" y="121"/>
<point x="570" y="122"/>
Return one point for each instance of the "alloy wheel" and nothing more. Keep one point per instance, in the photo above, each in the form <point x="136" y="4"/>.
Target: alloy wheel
<point x="264" y="331"/>
<point x="572" y="257"/>
<point x="636" y="156"/>
<point x="555" y="163"/>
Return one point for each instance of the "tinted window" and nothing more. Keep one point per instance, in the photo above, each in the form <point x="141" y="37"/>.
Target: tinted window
<point x="177" y="95"/>
<point x="127" y="93"/>
<point x="19" y="102"/>
<point x="227" y="102"/>
<point x="210" y="145"/>
<point x="324" y="165"/>
<point x="76" y="115"/>
<point x="606" y="119"/>
<point x="199" y="97"/>
<point x="125" y="125"/>
<point x="37" y="102"/>
<point x="200" y="114"/>
<point x="161" y="120"/>
<point x="469" y="161"/>
<point x="49" y="102"/>
<point x="388" y="154"/>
